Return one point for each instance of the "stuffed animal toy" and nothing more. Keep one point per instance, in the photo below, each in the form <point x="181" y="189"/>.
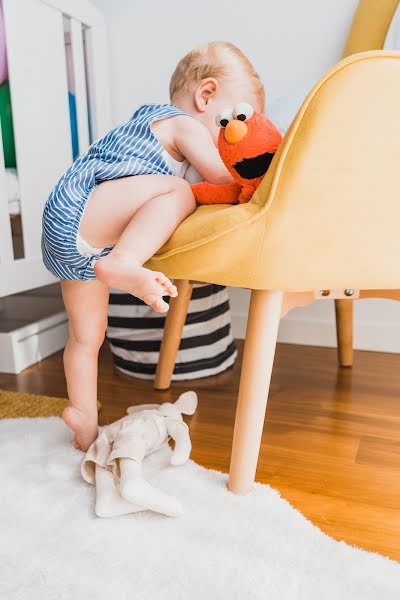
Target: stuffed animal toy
<point x="247" y="143"/>
<point x="113" y="462"/>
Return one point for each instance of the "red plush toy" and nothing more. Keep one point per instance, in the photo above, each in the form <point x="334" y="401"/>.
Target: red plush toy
<point x="247" y="143"/>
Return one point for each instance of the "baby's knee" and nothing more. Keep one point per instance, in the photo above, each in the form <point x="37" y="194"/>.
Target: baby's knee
<point x="89" y="338"/>
<point x="184" y="194"/>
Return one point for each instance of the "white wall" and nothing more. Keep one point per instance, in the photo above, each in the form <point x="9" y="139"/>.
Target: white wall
<point x="291" y="43"/>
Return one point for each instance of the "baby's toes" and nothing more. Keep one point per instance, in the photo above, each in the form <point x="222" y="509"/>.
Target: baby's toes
<point x="156" y="302"/>
<point x="76" y="444"/>
<point x="168" y="286"/>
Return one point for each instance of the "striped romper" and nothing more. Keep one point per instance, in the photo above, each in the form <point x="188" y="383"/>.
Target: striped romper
<point x="130" y="149"/>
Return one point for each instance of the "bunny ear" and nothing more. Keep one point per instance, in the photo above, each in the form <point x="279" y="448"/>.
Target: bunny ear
<point x="135" y="409"/>
<point x="187" y="403"/>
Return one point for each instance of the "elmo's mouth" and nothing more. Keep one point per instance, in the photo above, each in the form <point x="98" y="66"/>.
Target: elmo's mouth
<point x="251" y="168"/>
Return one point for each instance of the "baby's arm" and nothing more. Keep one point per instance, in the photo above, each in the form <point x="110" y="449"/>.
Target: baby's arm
<point x="194" y="142"/>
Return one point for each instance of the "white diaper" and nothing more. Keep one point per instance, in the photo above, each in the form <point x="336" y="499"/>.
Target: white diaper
<point x="86" y="249"/>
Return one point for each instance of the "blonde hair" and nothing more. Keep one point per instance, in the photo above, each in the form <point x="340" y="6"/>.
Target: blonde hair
<point x="221" y="60"/>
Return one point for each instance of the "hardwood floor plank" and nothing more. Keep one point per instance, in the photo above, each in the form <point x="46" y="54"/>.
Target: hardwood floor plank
<point x="377" y="452"/>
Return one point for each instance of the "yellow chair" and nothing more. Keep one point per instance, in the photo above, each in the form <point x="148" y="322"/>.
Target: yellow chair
<point x="324" y="223"/>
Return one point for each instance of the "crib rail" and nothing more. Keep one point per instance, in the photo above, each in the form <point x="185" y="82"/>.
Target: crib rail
<point x="6" y="248"/>
<point x="35" y="33"/>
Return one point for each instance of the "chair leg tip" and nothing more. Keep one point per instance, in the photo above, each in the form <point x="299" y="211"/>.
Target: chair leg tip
<point x="161" y="388"/>
<point x="239" y="489"/>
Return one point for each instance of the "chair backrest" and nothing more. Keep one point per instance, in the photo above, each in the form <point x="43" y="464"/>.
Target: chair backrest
<point x="367" y="32"/>
<point x="370" y="24"/>
<point x="333" y="212"/>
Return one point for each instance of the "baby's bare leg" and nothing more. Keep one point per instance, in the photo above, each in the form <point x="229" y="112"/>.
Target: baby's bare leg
<point x="138" y="214"/>
<point x="86" y="305"/>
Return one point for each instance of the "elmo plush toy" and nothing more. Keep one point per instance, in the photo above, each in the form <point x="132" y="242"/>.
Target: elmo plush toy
<point x="247" y="143"/>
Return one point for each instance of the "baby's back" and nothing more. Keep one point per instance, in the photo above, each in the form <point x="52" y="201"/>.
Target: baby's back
<point x="129" y="149"/>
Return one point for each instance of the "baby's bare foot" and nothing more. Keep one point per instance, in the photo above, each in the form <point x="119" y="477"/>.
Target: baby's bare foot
<point x="84" y="426"/>
<point x="129" y="276"/>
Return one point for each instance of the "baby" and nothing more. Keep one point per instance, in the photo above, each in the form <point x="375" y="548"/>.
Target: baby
<point x="122" y="200"/>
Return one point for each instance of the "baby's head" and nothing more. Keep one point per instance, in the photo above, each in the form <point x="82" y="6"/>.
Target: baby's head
<point x="213" y="77"/>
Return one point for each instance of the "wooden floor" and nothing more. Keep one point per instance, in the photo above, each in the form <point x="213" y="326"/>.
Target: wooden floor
<point x="331" y="442"/>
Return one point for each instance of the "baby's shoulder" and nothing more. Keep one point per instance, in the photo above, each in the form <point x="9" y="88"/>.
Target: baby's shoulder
<point x="156" y="111"/>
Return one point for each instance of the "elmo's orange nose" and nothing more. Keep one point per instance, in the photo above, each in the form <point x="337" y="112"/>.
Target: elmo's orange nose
<point x="235" y="131"/>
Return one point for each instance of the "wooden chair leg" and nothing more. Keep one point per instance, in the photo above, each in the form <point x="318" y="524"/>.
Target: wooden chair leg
<point x="258" y="358"/>
<point x="344" y="331"/>
<point x="174" y="323"/>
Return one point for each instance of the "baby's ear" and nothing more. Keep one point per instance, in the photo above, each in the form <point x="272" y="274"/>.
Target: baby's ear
<point x="187" y="403"/>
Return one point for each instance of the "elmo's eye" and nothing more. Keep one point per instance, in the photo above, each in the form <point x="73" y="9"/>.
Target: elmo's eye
<point x="223" y="118"/>
<point x="243" y="111"/>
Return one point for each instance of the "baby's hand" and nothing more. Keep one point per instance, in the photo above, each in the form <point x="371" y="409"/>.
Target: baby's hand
<point x="246" y="193"/>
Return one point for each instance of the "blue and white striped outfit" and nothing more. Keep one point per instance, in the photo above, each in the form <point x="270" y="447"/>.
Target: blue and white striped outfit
<point x="130" y="149"/>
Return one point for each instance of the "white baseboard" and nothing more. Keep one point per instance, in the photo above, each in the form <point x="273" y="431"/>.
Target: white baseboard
<point x="374" y="336"/>
<point x="376" y="323"/>
<point x="301" y="331"/>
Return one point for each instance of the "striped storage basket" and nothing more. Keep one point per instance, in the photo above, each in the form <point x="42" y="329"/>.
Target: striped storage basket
<point x="207" y="346"/>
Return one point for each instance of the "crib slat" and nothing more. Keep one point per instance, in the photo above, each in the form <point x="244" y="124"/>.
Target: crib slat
<point x="78" y="63"/>
<point x="39" y="93"/>
<point x="96" y="64"/>
<point x="6" y="247"/>
<point x="82" y="10"/>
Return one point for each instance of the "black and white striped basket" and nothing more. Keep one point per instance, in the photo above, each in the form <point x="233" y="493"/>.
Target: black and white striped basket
<point x="207" y="346"/>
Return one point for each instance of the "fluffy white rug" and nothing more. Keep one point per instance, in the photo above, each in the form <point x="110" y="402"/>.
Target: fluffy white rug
<point x="225" y="547"/>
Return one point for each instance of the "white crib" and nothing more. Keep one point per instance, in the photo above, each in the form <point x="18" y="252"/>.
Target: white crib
<point x="38" y="33"/>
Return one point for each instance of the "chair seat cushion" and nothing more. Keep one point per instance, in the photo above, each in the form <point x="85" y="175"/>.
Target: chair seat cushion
<point x="206" y="224"/>
<point x="216" y="244"/>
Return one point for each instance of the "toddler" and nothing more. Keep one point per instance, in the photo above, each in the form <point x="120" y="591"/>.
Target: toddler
<point x="123" y="199"/>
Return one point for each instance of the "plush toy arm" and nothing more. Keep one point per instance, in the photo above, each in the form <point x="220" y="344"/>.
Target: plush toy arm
<point x="187" y="403"/>
<point x="210" y="193"/>
<point x="179" y="432"/>
<point x="139" y="492"/>
<point x="246" y="193"/>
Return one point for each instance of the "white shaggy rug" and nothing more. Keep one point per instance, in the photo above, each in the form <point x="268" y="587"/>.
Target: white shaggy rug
<point x="225" y="547"/>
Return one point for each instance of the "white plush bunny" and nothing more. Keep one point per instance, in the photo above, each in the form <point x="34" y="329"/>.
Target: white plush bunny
<point x="113" y="462"/>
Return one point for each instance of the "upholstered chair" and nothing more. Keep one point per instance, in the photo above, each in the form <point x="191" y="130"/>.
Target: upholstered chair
<point x="323" y="224"/>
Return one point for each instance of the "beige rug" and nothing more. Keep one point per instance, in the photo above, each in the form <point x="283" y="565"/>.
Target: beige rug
<point x="14" y="405"/>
